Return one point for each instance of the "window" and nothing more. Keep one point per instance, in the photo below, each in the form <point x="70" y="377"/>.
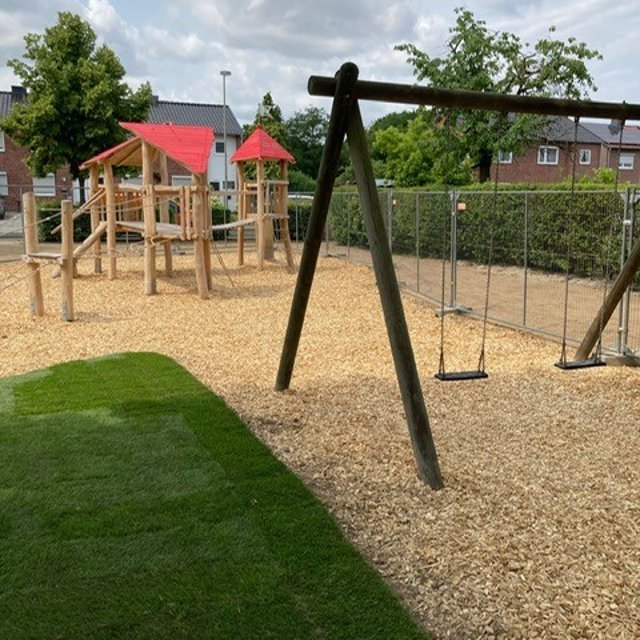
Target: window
<point x="547" y="155"/>
<point x="584" y="156"/>
<point x="180" y="181"/>
<point x="626" y="161"/>
<point x="231" y="184"/>
<point x="505" y="157"/>
<point x="215" y="186"/>
<point x="1" y="141"/>
<point x="45" y="186"/>
<point x="4" y="184"/>
<point x="219" y="147"/>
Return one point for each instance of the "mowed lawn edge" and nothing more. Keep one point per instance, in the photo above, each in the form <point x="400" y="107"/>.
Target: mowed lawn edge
<point x="135" y="504"/>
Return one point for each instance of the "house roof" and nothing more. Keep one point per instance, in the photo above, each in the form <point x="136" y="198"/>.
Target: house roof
<point x="190" y="146"/>
<point x="9" y="98"/>
<point x="189" y="113"/>
<point x="261" y="146"/>
<point x="610" y="134"/>
<point x="563" y="130"/>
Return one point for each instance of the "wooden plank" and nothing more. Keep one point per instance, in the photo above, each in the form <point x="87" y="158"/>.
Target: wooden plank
<point x="424" y="449"/>
<point x="236" y="224"/>
<point x="242" y="211"/>
<point x="346" y="79"/>
<point x="34" y="280"/>
<point x="90" y="240"/>
<point x="66" y="269"/>
<point x="95" y="217"/>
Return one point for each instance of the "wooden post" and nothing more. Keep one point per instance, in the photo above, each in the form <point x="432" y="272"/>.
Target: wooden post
<point x="624" y="279"/>
<point x="164" y="212"/>
<point x="67" y="261"/>
<point x="207" y="232"/>
<point x="197" y="217"/>
<point x="283" y="192"/>
<point x="406" y="370"/>
<point x="110" y="193"/>
<point x="342" y="102"/>
<point x="149" y="213"/>
<point x="95" y="218"/>
<point x="261" y="222"/>
<point x="36" y="300"/>
<point x="242" y="210"/>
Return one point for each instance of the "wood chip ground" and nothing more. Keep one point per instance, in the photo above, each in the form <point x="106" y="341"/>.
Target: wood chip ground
<point x="537" y="533"/>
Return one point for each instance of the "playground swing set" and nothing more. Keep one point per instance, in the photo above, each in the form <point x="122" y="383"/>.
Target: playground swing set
<point x="145" y="209"/>
<point x="345" y="119"/>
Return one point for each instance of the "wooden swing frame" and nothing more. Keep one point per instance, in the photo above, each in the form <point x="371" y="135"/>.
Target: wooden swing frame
<point x="346" y="90"/>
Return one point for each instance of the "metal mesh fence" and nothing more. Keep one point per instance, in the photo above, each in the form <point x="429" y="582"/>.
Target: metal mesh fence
<point x="542" y="245"/>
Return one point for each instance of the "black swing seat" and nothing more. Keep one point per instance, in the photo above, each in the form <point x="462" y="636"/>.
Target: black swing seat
<point x="580" y="364"/>
<point x="460" y="375"/>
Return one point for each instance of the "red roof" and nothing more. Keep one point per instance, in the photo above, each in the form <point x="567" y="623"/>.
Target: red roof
<point x="190" y="146"/>
<point x="261" y="146"/>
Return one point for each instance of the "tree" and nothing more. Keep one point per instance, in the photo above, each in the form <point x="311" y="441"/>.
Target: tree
<point x="76" y="97"/>
<point x="479" y="59"/>
<point x="269" y="116"/>
<point x="306" y="131"/>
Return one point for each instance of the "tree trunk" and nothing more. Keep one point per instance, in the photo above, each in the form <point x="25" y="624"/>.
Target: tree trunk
<point x="484" y="165"/>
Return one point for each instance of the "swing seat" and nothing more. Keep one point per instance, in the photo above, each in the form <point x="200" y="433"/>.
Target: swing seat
<point x="580" y="364"/>
<point x="460" y="375"/>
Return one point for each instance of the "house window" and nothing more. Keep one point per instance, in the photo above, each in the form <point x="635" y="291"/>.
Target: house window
<point x="4" y="184"/>
<point x="1" y="141"/>
<point x="626" y="161"/>
<point x="547" y="155"/>
<point x="180" y="181"/>
<point x="219" y="147"/>
<point x="231" y="184"/>
<point x="45" y="186"/>
<point x="505" y="157"/>
<point x="215" y="186"/>
<point x="585" y="156"/>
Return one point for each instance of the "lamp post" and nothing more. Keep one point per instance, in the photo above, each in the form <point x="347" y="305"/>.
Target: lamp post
<point x="225" y="75"/>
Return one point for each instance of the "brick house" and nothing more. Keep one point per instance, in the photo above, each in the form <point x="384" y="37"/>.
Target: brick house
<point x="15" y="177"/>
<point x="550" y="160"/>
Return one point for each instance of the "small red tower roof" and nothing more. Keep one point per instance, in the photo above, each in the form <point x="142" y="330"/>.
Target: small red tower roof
<point x="261" y="146"/>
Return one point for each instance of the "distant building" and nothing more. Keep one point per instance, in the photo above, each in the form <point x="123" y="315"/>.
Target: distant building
<point x="15" y="177"/>
<point x="550" y="159"/>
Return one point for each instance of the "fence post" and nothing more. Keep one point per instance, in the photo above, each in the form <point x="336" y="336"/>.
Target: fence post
<point x="348" y="229"/>
<point x="67" y="261"/>
<point x="36" y="300"/>
<point x="628" y="231"/>
<point x="390" y="217"/>
<point x="525" y="291"/>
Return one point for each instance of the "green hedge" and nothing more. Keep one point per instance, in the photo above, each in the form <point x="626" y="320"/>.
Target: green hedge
<point x="47" y="210"/>
<point x="590" y="219"/>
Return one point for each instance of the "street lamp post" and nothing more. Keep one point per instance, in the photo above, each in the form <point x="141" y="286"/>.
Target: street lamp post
<point x="225" y="75"/>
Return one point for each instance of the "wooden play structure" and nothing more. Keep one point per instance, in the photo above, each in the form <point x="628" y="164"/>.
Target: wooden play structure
<point x="263" y="200"/>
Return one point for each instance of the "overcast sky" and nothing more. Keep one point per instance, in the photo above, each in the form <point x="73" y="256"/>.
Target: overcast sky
<point x="275" y="45"/>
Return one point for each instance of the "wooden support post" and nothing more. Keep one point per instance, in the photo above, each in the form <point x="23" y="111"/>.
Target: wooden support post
<point x="242" y="210"/>
<point x="624" y="279"/>
<point x="261" y="221"/>
<point x="149" y="213"/>
<point x="36" y="300"/>
<point x="207" y="233"/>
<point x="406" y="370"/>
<point x="283" y="209"/>
<point x="66" y="268"/>
<point x="183" y="213"/>
<point x="164" y="212"/>
<point x="95" y="218"/>
<point x="110" y="192"/>
<point x="197" y="217"/>
<point x="342" y="102"/>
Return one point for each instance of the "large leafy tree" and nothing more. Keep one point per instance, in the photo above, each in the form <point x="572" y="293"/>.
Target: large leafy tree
<point x="76" y="97"/>
<point x="269" y="117"/>
<point x="306" y="132"/>
<point x="480" y="59"/>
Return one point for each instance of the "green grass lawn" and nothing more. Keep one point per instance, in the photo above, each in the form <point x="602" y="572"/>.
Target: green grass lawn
<point x="135" y="504"/>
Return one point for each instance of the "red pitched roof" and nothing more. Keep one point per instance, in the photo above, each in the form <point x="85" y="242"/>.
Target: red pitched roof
<point x="190" y="146"/>
<point x="261" y="146"/>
